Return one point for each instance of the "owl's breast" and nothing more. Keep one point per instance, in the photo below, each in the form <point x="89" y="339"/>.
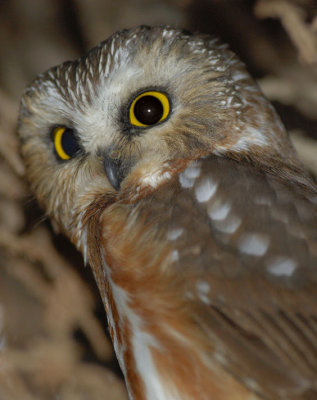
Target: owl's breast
<point x="195" y="268"/>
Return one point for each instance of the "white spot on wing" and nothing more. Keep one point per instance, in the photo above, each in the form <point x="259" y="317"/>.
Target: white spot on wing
<point x="174" y="256"/>
<point x="188" y="176"/>
<point x="255" y="244"/>
<point x="229" y="225"/>
<point x="202" y="287"/>
<point x="218" y="211"/>
<point x="185" y="182"/>
<point x="282" y="266"/>
<point x="192" y="172"/>
<point x="175" y="233"/>
<point x="205" y="189"/>
<point x="202" y="291"/>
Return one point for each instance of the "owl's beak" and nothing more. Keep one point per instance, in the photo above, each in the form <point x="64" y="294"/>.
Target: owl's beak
<point x="115" y="171"/>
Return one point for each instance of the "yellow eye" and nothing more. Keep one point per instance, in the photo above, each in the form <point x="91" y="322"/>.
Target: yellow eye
<point x="149" y="108"/>
<point x="65" y="142"/>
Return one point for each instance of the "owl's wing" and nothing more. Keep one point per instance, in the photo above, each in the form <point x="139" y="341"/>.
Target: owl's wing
<point x="246" y="244"/>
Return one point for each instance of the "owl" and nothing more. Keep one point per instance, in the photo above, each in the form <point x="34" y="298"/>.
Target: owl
<point x="160" y="159"/>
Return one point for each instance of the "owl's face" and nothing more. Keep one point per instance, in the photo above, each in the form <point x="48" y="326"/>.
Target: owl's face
<point x="116" y="121"/>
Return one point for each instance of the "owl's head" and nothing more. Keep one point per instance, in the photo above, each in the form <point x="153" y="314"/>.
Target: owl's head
<point x="120" y="120"/>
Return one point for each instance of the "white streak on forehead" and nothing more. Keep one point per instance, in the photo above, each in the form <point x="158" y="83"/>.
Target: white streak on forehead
<point x="53" y="106"/>
<point x="239" y="75"/>
<point x="119" y="79"/>
<point x="97" y="121"/>
<point x="168" y="33"/>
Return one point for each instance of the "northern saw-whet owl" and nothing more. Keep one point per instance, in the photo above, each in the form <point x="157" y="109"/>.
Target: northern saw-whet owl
<point x="160" y="159"/>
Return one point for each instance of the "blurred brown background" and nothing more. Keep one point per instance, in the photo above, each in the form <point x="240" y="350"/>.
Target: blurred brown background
<point x="53" y="335"/>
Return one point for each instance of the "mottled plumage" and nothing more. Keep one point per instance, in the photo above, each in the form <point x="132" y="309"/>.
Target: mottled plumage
<point x="200" y="228"/>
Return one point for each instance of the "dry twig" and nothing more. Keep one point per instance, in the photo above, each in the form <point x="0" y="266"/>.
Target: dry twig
<point x="293" y="19"/>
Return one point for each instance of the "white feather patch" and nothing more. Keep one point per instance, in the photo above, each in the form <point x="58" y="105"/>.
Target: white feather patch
<point x="142" y="343"/>
<point x="205" y="189"/>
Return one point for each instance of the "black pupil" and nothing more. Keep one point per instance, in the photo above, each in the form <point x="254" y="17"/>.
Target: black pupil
<point x="69" y="142"/>
<point x="148" y="110"/>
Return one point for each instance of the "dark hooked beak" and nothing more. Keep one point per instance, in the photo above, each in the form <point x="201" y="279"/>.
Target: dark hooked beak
<point x="115" y="171"/>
